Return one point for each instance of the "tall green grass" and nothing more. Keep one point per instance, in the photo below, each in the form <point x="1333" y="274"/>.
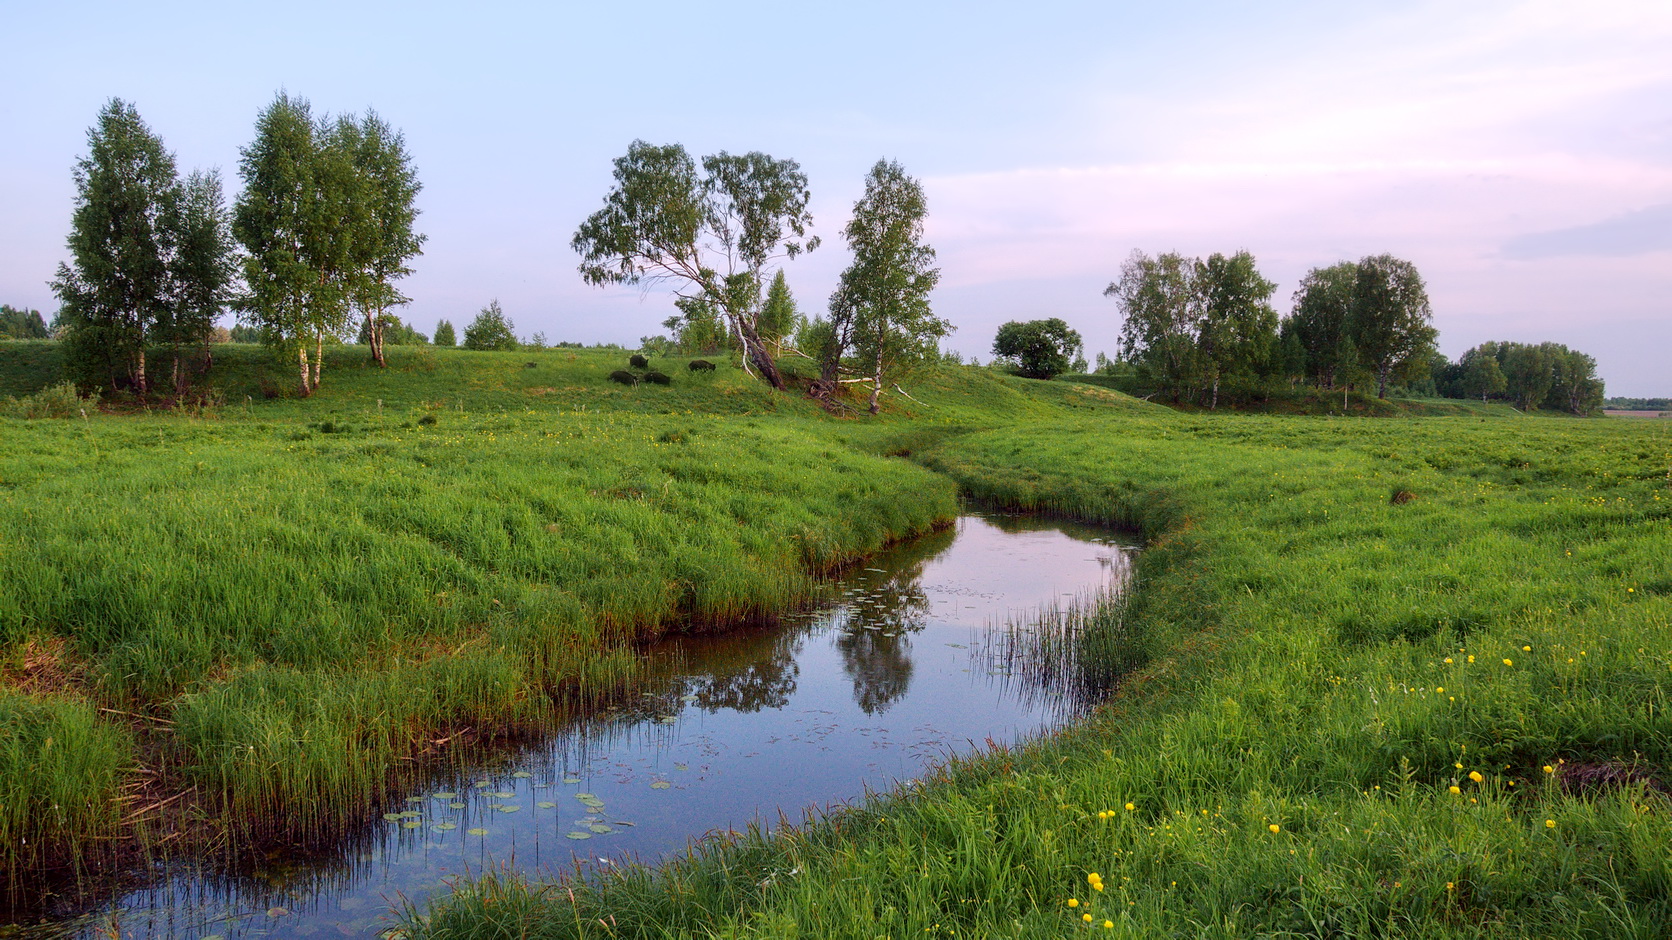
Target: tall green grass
<point x="60" y="773"/>
<point x="312" y="591"/>
<point x="1342" y="620"/>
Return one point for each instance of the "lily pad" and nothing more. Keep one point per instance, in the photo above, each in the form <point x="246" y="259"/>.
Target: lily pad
<point x="411" y="824"/>
<point x="546" y="804"/>
<point x="508" y="808"/>
<point x="477" y="831"/>
<point x="411" y="814"/>
<point x="445" y="827"/>
<point x="522" y="775"/>
<point x="661" y="785"/>
<point x="601" y="827"/>
<point x="445" y="796"/>
<point x="394" y="817"/>
<point x="455" y="805"/>
<point x="503" y="794"/>
<point x="579" y="835"/>
<point x="483" y="784"/>
<point x="668" y="719"/>
<point x="415" y="799"/>
<point x="571" y="780"/>
<point x="681" y="767"/>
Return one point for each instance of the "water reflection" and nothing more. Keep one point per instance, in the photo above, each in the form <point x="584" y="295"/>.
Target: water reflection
<point x="903" y="667"/>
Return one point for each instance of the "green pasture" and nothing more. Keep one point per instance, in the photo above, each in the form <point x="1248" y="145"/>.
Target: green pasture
<point x="1338" y="620"/>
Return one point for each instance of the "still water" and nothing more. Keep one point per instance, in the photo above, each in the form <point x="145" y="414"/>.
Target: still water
<point x="915" y="657"/>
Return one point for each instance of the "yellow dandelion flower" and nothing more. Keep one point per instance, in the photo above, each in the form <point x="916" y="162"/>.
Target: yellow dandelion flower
<point x="1073" y="902"/>
<point x="1448" y="660"/>
<point x="1086" y="918"/>
<point x="1526" y="649"/>
<point x="1550" y="824"/>
<point x="1457" y="764"/>
<point x="1108" y="925"/>
<point x="1475" y="776"/>
<point x="1549" y="769"/>
<point x="1509" y="662"/>
<point x="1454" y="789"/>
<point x="1274" y="827"/>
<point x="1471" y="657"/>
<point x="1130" y="807"/>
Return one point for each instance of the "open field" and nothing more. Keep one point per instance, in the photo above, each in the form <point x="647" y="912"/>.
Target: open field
<point x="1327" y="657"/>
<point x="1337" y="621"/>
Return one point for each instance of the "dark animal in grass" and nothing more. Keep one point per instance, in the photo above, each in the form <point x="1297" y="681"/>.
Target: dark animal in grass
<point x="701" y="365"/>
<point x="638" y="362"/>
<point x="624" y="377"/>
<point x="657" y="378"/>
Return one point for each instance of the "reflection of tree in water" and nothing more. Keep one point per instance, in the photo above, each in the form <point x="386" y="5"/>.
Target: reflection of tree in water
<point x="744" y="671"/>
<point x="874" y="637"/>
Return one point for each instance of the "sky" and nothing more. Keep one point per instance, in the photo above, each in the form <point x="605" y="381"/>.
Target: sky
<point x="1518" y="152"/>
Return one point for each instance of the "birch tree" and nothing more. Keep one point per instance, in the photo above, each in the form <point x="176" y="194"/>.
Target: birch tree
<point x="709" y="233"/>
<point x="880" y="310"/>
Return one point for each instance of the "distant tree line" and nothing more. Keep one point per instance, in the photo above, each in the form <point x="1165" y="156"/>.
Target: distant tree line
<point x="18" y="323"/>
<point x="1638" y="404"/>
<point x="1191" y="326"/>
<point x="1528" y="376"/>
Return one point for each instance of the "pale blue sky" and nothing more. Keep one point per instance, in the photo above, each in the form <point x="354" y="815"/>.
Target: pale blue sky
<point x="1520" y="153"/>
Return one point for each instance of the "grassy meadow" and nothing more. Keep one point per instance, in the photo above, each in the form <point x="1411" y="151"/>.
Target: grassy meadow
<point x="1395" y="676"/>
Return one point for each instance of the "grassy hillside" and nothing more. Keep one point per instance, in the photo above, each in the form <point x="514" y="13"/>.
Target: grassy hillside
<point x="273" y="602"/>
<point x="1404" y="678"/>
<point x="1338" y="621"/>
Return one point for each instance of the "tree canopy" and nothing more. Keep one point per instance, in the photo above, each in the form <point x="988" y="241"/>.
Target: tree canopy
<point x="1371" y="317"/>
<point x="491" y="329"/>
<point x="709" y="233"/>
<point x="1528" y="376"/>
<point x="1188" y="324"/>
<point x="1040" y="349"/>
<point x="149" y="253"/>
<point x="445" y="334"/>
<point x="326" y="217"/>
<point x="880" y="310"/>
<point x="17" y="323"/>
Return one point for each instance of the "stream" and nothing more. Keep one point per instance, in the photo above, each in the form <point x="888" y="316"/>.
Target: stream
<point x="921" y="654"/>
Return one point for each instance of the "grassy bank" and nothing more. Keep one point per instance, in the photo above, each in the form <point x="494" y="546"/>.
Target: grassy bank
<point x="1402" y="678"/>
<point x="270" y="607"/>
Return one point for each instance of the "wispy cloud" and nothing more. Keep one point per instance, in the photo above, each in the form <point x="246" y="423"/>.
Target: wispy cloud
<point x="1634" y="233"/>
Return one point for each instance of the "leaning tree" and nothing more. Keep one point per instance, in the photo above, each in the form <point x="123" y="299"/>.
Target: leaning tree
<point x="709" y="232"/>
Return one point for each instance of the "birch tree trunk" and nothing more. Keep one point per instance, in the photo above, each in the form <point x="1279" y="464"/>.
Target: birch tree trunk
<point x="876" y="382"/>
